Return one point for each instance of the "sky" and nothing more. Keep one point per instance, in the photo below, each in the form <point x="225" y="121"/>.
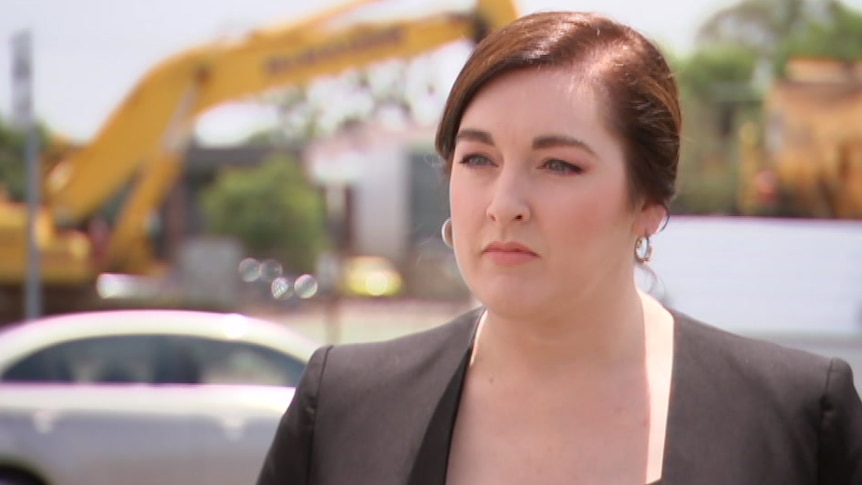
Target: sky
<point x="88" y="54"/>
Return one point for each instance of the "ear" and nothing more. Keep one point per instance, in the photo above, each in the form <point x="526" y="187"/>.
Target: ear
<point x="651" y="219"/>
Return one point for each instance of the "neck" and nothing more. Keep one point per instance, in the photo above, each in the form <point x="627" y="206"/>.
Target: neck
<point x="602" y="330"/>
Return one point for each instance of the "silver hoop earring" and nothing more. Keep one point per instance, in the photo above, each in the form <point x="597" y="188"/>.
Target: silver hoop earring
<point x="643" y="249"/>
<point x="446" y="232"/>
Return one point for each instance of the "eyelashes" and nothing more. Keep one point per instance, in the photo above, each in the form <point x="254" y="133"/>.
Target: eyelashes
<point x="562" y="167"/>
<point x="553" y="165"/>
<point x="476" y="160"/>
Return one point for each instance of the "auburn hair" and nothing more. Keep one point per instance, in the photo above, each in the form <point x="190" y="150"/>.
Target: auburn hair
<point x="632" y="76"/>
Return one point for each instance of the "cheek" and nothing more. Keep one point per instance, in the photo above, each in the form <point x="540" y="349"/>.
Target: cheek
<point x="594" y="219"/>
<point x="464" y="202"/>
<point x="460" y="207"/>
<point x="456" y="192"/>
<point x="580" y="226"/>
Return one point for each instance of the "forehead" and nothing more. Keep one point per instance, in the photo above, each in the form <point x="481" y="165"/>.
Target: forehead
<point x="557" y="98"/>
<point x="521" y="105"/>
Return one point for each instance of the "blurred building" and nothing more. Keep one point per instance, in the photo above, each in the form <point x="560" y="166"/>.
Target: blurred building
<point x="390" y="192"/>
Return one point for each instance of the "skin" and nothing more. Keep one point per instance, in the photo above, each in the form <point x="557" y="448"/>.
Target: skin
<point x="565" y="198"/>
<point x="566" y="327"/>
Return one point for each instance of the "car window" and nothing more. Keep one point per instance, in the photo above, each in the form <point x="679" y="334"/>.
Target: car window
<point x="115" y="359"/>
<point x="232" y="362"/>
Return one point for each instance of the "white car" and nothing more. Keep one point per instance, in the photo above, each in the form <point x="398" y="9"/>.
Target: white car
<point x="143" y="396"/>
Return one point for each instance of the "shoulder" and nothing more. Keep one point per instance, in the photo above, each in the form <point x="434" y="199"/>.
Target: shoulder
<point x="755" y="370"/>
<point x="409" y="348"/>
<point x="429" y="340"/>
<point x="372" y="364"/>
<point x="707" y="340"/>
<point x="790" y="398"/>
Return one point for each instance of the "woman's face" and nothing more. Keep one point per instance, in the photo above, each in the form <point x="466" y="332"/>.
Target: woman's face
<point x="541" y="214"/>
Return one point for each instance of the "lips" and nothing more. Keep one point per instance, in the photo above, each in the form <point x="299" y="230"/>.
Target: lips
<point x="509" y="254"/>
<point x="508" y="247"/>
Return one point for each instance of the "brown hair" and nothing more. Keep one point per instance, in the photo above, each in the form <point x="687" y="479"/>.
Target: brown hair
<point x="639" y="87"/>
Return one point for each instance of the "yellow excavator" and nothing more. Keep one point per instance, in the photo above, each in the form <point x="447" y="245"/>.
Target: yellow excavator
<point x="807" y="159"/>
<point x="141" y="147"/>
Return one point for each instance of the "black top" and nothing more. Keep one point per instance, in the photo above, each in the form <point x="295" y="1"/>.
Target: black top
<point x="741" y="411"/>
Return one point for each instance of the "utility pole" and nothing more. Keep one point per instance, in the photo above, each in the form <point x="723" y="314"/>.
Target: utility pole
<point x="22" y="110"/>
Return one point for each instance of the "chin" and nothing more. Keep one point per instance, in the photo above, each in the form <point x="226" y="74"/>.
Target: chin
<point x="512" y="301"/>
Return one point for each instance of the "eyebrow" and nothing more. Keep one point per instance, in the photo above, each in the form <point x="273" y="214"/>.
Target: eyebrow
<point x="549" y="141"/>
<point x="468" y="134"/>
<point x="540" y="142"/>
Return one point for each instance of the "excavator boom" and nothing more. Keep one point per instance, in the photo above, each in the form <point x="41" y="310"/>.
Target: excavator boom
<point x="159" y="113"/>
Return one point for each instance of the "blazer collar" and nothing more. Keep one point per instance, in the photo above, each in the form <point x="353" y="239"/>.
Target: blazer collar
<point x="441" y="404"/>
<point x="693" y="399"/>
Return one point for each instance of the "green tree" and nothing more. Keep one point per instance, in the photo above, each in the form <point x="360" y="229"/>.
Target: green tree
<point x="717" y="72"/>
<point x="717" y="94"/>
<point x="839" y="36"/>
<point x="272" y="209"/>
<point x="759" y="25"/>
<point x="776" y="30"/>
<point x="12" y="166"/>
<point x="393" y="91"/>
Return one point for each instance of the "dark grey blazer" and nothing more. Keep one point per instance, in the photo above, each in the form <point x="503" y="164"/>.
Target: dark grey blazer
<point x="742" y="412"/>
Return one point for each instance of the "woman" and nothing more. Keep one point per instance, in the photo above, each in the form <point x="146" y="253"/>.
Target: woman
<point x="561" y="135"/>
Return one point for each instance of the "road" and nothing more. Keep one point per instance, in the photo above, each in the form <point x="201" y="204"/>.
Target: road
<point x="374" y="320"/>
<point x="365" y="320"/>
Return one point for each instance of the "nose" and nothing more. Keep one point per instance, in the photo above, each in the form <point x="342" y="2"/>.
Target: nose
<point x="509" y="202"/>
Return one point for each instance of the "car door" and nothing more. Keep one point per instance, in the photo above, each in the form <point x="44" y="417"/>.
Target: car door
<point x="249" y="386"/>
<point x="86" y="412"/>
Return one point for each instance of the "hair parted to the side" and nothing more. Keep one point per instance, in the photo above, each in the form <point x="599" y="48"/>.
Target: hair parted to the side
<point x="626" y="69"/>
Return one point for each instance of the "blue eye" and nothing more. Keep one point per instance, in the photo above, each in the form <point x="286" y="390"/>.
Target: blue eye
<point x="562" y="167"/>
<point x="475" y="160"/>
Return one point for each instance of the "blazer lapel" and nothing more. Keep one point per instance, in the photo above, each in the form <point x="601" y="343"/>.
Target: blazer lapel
<point x="692" y="424"/>
<point x="432" y="460"/>
<point x="420" y="369"/>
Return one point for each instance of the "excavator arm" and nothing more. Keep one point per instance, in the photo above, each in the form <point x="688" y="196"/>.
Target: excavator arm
<point x="149" y="117"/>
<point x="145" y="140"/>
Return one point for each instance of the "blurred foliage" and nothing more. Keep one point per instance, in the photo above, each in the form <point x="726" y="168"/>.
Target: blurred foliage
<point x="722" y="71"/>
<point x="717" y="95"/>
<point x="776" y="30"/>
<point x="837" y="37"/>
<point x="395" y="91"/>
<point x="758" y="25"/>
<point x="13" y="167"/>
<point x="701" y="190"/>
<point x="272" y="209"/>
